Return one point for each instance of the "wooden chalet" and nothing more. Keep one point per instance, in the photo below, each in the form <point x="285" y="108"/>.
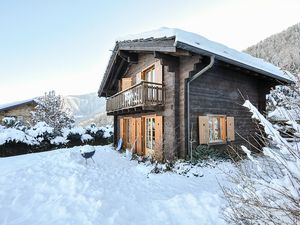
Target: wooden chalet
<point x="171" y="90"/>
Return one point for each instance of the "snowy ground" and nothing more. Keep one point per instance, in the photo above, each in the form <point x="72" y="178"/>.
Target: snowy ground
<point x="58" y="188"/>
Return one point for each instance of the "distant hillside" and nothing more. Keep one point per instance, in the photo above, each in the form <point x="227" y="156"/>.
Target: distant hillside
<point x="282" y="49"/>
<point x="87" y="109"/>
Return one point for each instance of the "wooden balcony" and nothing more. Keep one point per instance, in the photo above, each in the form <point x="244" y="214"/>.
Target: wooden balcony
<point x="145" y="96"/>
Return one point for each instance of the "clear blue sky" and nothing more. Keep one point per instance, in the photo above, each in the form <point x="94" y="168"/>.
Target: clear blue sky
<point x="64" y="45"/>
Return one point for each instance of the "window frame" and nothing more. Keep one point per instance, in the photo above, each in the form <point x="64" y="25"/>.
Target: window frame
<point x="222" y="129"/>
<point x="145" y="71"/>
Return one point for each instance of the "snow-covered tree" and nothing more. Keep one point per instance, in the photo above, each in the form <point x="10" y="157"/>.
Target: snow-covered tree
<point x="50" y="109"/>
<point x="282" y="50"/>
<point x="266" y="189"/>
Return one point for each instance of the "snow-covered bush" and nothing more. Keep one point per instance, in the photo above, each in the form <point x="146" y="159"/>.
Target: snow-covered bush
<point x="13" y="135"/>
<point x="283" y="107"/>
<point x="9" y="121"/>
<point x="101" y="135"/>
<point x="12" y="122"/>
<point x="266" y="189"/>
<point x="284" y="98"/>
<point x="204" y="152"/>
<point x="74" y="135"/>
<point x="42" y="137"/>
<point x="50" y="109"/>
<point x="86" y="138"/>
<point x="108" y="131"/>
<point x="41" y="131"/>
<point x="59" y="141"/>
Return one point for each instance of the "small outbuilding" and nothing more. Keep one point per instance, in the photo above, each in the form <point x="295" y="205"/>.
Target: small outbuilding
<point x="20" y="110"/>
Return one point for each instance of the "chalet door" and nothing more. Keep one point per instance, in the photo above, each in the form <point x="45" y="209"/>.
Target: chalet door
<point x="149" y="136"/>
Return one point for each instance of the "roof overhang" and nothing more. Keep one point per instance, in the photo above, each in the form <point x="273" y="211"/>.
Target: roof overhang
<point x="125" y="54"/>
<point x="230" y="61"/>
<point x="17" y="104"/>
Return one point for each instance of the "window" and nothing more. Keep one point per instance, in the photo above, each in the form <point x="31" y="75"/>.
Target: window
<point x="150" y="135"/>
<point x="152" y="91"/>
<point x="216" y="129"/>
<point x="149" y="74"/>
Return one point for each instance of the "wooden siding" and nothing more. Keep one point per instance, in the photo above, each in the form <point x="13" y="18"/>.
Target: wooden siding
<point x="220" y="91"/>
<point x="187" y="65"/>
<point x="144" y="61"/>
<point x="171" y="108"/>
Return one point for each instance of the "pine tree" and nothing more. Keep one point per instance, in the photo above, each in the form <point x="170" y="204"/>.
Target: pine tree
<point x="50" y="109"/>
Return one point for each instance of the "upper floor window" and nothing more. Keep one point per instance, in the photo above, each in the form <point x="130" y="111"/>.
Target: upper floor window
<point x="149" y="74"/>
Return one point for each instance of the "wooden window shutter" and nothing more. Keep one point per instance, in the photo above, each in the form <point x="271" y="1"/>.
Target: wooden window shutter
<point x="138" y="78"/>
<point x="158" y="72"/>
<point x="139" y="136"/>
<point x="132" y="134"/>
<point x="158" y="138"/>
<point x="203" y="130"/>
<point x="122" y="129"/>
<point x="126" y="83"/>
<point x="230" y="129"/>
<point x="223" y="128"/>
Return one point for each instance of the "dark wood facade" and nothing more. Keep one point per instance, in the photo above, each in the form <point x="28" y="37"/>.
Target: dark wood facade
<point x="221" y="90"/>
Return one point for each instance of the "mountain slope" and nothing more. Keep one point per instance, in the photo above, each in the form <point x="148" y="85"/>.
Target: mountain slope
<point x="87" y="108"/>
<point x="282" y="49"/>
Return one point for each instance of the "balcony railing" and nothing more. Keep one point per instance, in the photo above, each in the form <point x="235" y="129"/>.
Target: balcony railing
<point x="144" y="95"/>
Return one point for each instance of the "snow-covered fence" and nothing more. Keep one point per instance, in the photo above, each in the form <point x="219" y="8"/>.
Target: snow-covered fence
<point x="41" y="137"/>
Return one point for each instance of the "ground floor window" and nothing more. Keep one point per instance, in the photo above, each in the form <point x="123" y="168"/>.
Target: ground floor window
<point x="216" y="129"/>
<point x="150" y="133"/>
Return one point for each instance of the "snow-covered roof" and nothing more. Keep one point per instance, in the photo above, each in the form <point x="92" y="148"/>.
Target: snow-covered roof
<point x="15" y="104"/>
<point x="221" y="51"/>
